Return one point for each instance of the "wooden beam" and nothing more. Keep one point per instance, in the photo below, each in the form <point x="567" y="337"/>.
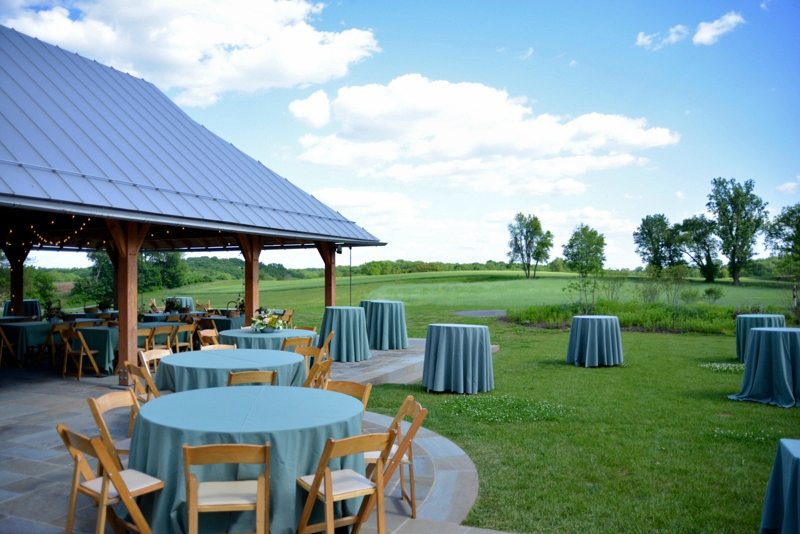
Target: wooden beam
<point x="16" y="245"/>
<point x="328" y="252"/>
<point x="128" y="237"/>
<point x="251" y="246"/>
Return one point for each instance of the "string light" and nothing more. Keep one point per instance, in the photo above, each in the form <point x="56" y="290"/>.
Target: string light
<point x="43" y="240"/>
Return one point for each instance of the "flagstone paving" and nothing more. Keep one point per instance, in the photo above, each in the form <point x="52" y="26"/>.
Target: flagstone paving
<point x="35" y="470"/>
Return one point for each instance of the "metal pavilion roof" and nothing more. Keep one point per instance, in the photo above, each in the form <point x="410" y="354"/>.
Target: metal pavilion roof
<point x="82" y="138"/>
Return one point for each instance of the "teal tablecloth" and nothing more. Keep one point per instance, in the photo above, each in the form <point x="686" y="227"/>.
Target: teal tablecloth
<point x="209" y="369"/>
<point x="14" y="319"/>
<point x="93" y="315"/>
<point x="249" y="339"/>
<point x="350" y="342"/>
<point x="30" y="307"/>
<point x="295" y="421"/>
<point x="386" y="324"/>
<point x="746" y="322"/>
<point x="772" y="367"/>
<point x="227" y="323"/>
<point x="781" y="512"/>
<point x="594" y="340"/>
<point x="183" y="302"/>
<point x="26" y="334"/>
<point x="458" y="358"/>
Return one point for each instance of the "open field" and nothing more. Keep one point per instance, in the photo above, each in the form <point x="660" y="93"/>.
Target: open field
<point x="652" y="446"/>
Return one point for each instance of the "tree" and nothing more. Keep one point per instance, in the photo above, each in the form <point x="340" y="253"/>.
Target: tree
<point x="528" y="243"/>
<point x="657" y="243"/>
<point x="783" y="237"/>
<point x="584" y="254"/>
<point x="740" y="215"/>
<point x="697" y="239"/>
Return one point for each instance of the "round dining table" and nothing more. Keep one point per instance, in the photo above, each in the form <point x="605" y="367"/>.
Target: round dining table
<point x="747" y="321"/>
<point x="350" y="342"/>
<point x="458" y="358"/>
<point x="296" y="422"/>
<point x="210" y="368"/>
<point x="780" y="511"/>
<point x="247" y="338"/>
<point x="772" y="367"/>
<point x="594" y="340"/>
<point x="386" y="324"/>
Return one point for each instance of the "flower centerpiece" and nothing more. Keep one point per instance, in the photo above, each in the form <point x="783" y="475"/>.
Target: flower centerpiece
<point x="267" y="322"/>
<point x="171" y="306"/>
<point x="52" y="310"/>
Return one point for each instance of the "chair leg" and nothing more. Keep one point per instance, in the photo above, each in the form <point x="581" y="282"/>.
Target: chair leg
<point x="413" y="490"/>
<point x="329" y="518"/>
<point x="379" y="495"/>
<point x="73" y="499"/>
<point x="101" y="519"/>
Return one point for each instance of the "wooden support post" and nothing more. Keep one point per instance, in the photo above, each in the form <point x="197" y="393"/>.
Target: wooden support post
<point x="113" y="255"/>
<point x="328" y="252"/>
<point x="16" y="245"/>
<point x="128" y="237"/>
<point x="251" y="246"/>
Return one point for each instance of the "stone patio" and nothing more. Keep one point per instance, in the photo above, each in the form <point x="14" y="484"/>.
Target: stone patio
<point x="35" y="470"/>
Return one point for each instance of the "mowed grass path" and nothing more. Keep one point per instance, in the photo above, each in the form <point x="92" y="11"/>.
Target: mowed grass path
<point x="653" y="446"/>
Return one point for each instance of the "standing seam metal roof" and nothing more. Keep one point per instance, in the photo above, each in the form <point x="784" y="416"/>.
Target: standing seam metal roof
<point x="75" y="132"/>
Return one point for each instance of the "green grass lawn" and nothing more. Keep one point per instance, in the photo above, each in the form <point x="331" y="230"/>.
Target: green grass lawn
<point x="651" y="446"/>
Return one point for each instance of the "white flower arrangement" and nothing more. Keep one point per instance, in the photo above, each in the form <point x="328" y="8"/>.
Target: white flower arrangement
<point x="267" y="320"/>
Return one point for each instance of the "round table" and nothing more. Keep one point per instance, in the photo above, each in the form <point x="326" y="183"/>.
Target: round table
<point x="748" y="321"/>
<point x="247" y="338"/>
<point x="350" y="342"/>
<point x="780" y="503"/>
<point x="772" y="367"/>
<point x="209" y="369"/>
<point x="295" y="421"/>
<point x="227" y="323"/>
<point x="594" y="340"/>
<point x="458" y="358"/>
<point x="386" y="324"/>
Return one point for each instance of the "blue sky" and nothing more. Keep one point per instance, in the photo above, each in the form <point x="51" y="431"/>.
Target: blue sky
<point x="432" y="123"/>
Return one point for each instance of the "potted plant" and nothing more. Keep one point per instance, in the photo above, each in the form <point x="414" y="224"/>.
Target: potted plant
<point x="52" y="311"/>
<point x="171" y="306"/>
<point x="105" y="304"/>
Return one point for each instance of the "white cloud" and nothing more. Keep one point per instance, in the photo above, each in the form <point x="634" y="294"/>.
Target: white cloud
<point x="201" y="48"/>
<point x="415" y="129"/>
<point x="765" y="5"/>
<point x="650" y="42"/>
<point x="709" y="32"/>
<point x="789" y="187"/>
<point x="680" y="195"/>
<point x="573" y="63"/>
<point x="315" y="110"/>
<point x="525" y="55"/>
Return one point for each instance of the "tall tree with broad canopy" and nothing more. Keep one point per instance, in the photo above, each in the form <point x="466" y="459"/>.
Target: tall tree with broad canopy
<point x="740" y="215"/>
<point x="657" y="242"/>
<point x="528" y="243"/>
<point x="584" y="254"/>
<point x="783" y="237"/>
<point x="697" y="239"/>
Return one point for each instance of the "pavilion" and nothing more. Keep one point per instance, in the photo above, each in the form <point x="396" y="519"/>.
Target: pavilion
<point x="92" y="158"/>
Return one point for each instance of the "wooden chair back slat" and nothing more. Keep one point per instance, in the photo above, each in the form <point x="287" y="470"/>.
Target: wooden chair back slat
<point x="253" y="377"/>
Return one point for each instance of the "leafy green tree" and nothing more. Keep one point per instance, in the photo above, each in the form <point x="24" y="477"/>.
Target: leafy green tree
<point x="528" y="243"/>
<point x="5" y="277"/>
<point x="740" y="215"/>
<point x="783" y="237"/>
<point x="697" y="239"/>
<point x="656" y="242"/>
<point x="584" y="254"/>
<point x="557" y="265"/>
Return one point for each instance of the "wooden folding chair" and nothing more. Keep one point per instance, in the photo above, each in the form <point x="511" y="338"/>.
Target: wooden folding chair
<point x="53" y="342"/>
<point x="173" y="319"/>
<point x="253" y="377"/>
<point x="354" y="389"/>
<point x="402" y="453"/>
<point x="218" y="347"/>
<point x="153" y="356"/>
<point x="112" y="486"/>
<point x="326" y="349"/>
<point x="228" y="495"/>
<point x="70" y="336"/>
<point x="112" y="401"/>
<point x="154" y="306"/>
<point x="143" y="385"/>
<point x="308" y="353"/>
<point x="161" y="331"/>
<point x="146" y="337"/>
<point x="176" y="344"/>
<point x="5" y="344"/>
<point x="316" y="376"/>
<point x="309" y="328"/>
<point x="207" y="332"/>
<point x="291" y="342"/>
<point x="287" y="317"/>
<point x="332" y="486"/>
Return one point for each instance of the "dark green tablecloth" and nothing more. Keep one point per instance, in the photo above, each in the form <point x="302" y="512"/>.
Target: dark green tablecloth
<point x="209" y="369"/>
<point x="295" y="421"/>
<point x="772" y="367"/>
<point x="183" y="302"/>
<point x="746" y="322"/>
<point x="386" y="324"/>
<point x="249" y="339"/>
<point x="781" y="512"/>
<point x="30" y="307"/>
<point x="458" y="358"/>
<point x="350" y="342"/>
<point x="227" y="323"/>
<point x="26" y="334"/>
<point x="594" y="340"/>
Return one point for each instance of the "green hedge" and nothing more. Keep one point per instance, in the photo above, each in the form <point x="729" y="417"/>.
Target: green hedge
<point x="651" y="317"/>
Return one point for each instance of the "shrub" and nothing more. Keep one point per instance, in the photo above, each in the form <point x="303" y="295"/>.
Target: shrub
<point x="690" y="296"/>
<point x="713" y="294"/>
